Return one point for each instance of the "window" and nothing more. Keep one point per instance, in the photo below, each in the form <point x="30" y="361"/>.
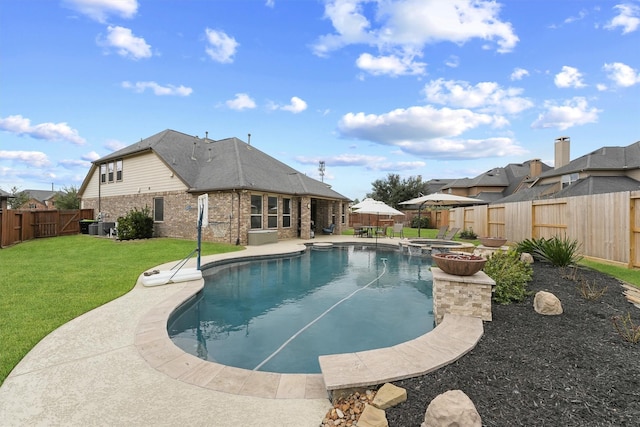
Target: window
<point x="110" y="167"/>
<point x="119" y="170"/>
<point x="272" y="213"/>
<point x="569" y="179"/>
<point x="103" y="173"/>
<point x="256" y="211"/>
<point x="286" y="213"/>
<point x="343" y="214"/>
<point x="158" y="209"/>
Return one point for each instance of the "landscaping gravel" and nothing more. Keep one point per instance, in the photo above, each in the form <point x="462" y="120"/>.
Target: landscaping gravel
<point x="574" y="369"/>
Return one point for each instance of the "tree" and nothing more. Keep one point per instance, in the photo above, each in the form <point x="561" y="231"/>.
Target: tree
<point x="19" y="198"/>
<point x="393" y="190"/>
<point x="68" y="198"/>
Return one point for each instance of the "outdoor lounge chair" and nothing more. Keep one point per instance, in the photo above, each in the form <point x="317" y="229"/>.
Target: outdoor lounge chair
<point x="398" y="228"/>
<point x="451" y="233"/>
<point x="442" y="231"/>
<point x="328" y="230"/>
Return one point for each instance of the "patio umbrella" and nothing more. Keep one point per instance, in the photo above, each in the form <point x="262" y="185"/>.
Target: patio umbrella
<point x="441" y="199"/>
<point x="375" y="207"/>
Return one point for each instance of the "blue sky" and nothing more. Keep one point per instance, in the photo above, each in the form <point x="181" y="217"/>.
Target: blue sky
<point x="440" y="89"/>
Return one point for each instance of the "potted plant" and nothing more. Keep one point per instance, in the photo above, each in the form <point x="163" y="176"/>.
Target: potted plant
<point x="492" y="242"/>
<point x="459" y="264"/>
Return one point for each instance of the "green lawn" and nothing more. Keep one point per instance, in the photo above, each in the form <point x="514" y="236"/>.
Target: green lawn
<point x="44" y="283"/>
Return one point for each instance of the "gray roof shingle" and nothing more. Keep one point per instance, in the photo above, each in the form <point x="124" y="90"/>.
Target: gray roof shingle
<point x="228" y="164"/>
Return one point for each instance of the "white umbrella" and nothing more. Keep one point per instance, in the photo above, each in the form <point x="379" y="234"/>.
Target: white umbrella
<point x="443" y="199"/>
<point x="370" y="206"/>
<point x="375" y="207"/>
<point x="440" y="199"/>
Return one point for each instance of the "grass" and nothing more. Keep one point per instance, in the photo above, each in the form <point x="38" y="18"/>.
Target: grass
<point x="622" y="273"/>
<point x="47" y="282"/>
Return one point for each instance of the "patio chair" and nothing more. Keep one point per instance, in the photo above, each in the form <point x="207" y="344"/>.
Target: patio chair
<point x="328" y="230"/>
<point x="442" y="231"/>
<point x="398" y="228"/>
<point x="451" y="233"/>
<point x="358" y="230"/>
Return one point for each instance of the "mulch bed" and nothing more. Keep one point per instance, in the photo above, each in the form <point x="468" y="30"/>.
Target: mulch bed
<point x="532" y="370"/>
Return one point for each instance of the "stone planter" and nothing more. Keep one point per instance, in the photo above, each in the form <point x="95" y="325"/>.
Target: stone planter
<point x="492" y="242"/>
<point x="459" y="264"/>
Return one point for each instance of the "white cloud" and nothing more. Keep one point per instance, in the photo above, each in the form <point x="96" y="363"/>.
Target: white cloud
<point x="74" y="164"/>
<point x="221" y="47"/>
<point x="36" y="159"/>
<point x="391" y="65"/>
<point x="47" y="131"/>
<point x="99" y="10"/>
<point x="270" y="3"/>
<point x="573" y="112"/>
<point x="518" y="74"/>
<point x="628" y="18"/>
<point x="409" y="25"/>
<point x="157" y="89"/>
<point x="90" y="156"/>
<point x="428" y="132"/>
<point x="111" y="144"/>
<point x="125" y="43"/>
<point x="296" y="106"/>
<point x="484" y="96"/>
<point x="569" y="77"/>
<point x="453" y="61"/>
<point x="622" y="74"/>
<point x="242" y="101"/>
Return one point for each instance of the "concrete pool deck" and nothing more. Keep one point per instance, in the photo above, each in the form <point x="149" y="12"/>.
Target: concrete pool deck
<point x="115" y="366"/>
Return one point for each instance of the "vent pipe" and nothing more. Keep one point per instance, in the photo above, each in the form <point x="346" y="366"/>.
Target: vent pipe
<point x="249" y="139"/>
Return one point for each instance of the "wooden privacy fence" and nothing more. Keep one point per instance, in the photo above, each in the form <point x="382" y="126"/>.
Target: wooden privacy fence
<point x="19" y="225"/>
<point x="607" y="226"/>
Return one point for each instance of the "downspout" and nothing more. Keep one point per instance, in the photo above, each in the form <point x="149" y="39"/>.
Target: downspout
<point x="99" y="191"/>
<point x="238" y="236"/>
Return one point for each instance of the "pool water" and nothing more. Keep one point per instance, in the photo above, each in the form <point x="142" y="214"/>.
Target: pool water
<point x="279" y="315"/>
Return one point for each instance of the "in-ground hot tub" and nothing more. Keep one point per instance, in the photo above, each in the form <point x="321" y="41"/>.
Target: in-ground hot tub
<point x="428" y="246"/>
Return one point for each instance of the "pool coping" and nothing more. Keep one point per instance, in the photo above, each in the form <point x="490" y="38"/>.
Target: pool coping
<point x="449" y="341"/>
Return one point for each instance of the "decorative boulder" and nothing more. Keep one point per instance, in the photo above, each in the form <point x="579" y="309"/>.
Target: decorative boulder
<point x="389" y="395"/>
<point x="525" y="257"/>
<point x="452" y="408"/>
<point x="547" y="303"/>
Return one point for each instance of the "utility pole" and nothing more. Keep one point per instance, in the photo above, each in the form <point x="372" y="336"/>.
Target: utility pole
<point x="321" y="169"/>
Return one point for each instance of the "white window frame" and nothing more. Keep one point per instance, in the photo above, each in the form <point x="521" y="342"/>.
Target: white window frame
<point x="256" y="212"/>
<point x="287" y="204"/>
<point x="158" y="214"/>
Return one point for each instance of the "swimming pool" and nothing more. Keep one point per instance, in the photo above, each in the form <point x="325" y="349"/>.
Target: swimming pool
<point x="279" y="315"/>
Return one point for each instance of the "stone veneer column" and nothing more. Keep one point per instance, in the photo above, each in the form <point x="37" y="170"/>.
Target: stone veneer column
<point x="462" y="295"/>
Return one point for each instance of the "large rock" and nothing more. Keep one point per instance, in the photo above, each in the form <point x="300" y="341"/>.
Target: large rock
<point x="547" y="303"/>
<point x="525" y="257"/>
<point x="389" y="395"/>
<point x="373" y="417"/>
<point x="452" y="409"/>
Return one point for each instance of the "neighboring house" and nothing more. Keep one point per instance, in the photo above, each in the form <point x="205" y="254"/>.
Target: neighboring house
<point x="4" y="197"/>
<point x="40" y="200"/>
<point x="605" y="170"/>
<point x="249" y="191"/>
<point x="498" y="182"/>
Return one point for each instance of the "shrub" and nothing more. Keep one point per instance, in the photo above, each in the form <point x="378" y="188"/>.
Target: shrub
<point x="468" y="234"/>
<point x="510" y="274"/>
<point x="137" y="224"/>
<point x="591" y="291"/>
<point x="559" y="252"/>
<point x="423" y="221"/>
<point x="626" y="328"/>
<point x="531" y="246"/>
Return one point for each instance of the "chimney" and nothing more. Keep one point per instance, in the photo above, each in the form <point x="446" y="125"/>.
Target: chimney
<point x="562" y="146"/>
<point x="535" y="168"/>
